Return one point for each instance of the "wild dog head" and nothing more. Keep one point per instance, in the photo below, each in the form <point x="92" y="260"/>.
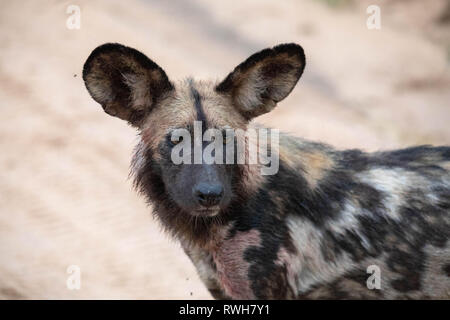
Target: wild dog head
<point x="130" y="86"/>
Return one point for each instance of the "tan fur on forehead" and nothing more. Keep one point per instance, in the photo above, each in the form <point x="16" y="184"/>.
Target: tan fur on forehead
<point x="218" y="108"/>
<point x="178" y="111"/>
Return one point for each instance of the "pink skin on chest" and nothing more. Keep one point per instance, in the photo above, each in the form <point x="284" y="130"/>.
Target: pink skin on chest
<point x="232" y="268"/>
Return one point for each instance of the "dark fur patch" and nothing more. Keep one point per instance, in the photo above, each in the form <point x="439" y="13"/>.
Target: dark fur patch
<point x="446" y="269"/>
<point x="420" y="158"/>
<point x="410" y="266"/>
<point x="198" y="105"/>
<point x="339" y="289"/>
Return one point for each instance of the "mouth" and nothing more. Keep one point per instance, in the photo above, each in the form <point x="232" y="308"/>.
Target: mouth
<point x="207" y="212"/>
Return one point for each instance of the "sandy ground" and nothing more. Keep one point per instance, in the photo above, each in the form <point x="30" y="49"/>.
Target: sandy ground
<point x="64" y="194"/>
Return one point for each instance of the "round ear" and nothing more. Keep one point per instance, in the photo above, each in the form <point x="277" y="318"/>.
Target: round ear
<point x="124" y="81"/>
<point x="265" y="78"/>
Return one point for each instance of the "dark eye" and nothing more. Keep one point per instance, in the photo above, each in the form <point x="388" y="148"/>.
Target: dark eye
<point x="174" y="142"/>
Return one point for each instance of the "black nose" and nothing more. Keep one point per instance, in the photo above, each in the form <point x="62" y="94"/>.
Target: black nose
<point x="208" y="194"/>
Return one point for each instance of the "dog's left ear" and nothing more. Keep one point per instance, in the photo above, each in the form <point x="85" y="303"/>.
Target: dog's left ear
<point x="265" y="78"/>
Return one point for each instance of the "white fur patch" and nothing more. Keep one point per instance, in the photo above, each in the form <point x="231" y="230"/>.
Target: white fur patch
<point x="309" y="264"/>
<point x="394" y="183"/>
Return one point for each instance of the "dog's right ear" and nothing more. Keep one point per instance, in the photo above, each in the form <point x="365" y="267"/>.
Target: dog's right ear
<point x="124" y="81"/>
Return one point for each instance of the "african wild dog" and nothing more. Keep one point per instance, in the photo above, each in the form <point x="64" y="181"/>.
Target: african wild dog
<point x="310" y="231"/>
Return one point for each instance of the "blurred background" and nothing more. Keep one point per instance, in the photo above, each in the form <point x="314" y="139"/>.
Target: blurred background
<point x="65" y="196"/>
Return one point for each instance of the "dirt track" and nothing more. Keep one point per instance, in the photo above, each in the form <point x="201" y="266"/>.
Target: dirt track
<point x="64" y="194"/>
